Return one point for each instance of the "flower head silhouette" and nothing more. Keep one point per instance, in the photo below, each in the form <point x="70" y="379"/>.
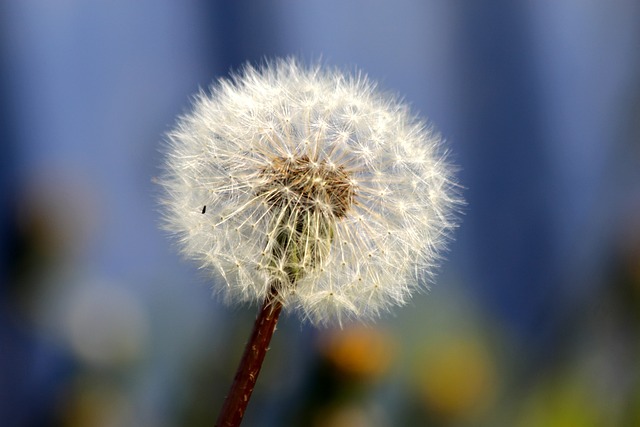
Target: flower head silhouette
<point x="312" y="183"/>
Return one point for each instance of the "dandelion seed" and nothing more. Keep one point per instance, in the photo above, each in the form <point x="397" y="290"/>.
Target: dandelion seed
<point x="327" y="196"/>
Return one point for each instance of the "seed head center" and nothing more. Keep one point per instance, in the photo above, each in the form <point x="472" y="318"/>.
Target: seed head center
<point x="308" y="185"/>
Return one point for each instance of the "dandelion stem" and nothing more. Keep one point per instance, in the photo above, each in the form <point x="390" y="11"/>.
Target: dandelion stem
<point x="243" y="383"/>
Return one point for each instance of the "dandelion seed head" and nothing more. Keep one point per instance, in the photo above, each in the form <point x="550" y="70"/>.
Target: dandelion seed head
<point x="315" y="182"/>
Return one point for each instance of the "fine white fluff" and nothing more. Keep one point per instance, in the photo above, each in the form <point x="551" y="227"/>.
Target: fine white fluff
<point x="354" y="265"/>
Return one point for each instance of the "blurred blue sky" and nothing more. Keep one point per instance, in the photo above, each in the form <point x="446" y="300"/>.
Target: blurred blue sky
<point x="539" y="102"/>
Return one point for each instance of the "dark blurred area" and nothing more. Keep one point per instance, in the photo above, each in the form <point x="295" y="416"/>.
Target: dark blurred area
<point x="535" y="316"/>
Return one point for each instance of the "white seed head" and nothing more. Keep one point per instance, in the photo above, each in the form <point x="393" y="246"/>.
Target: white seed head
<point x="312" y="181"/>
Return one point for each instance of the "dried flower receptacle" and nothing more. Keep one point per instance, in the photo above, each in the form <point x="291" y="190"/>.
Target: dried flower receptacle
<point x="307" y="197"/>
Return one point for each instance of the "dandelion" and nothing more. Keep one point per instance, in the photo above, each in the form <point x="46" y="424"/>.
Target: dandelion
<point x="308" y="189"/>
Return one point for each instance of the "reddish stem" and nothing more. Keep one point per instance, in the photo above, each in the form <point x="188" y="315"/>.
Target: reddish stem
<point x="236" y="402"/>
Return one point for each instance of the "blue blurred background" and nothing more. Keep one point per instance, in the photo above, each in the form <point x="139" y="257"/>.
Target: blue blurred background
<point x="535" y="317"/>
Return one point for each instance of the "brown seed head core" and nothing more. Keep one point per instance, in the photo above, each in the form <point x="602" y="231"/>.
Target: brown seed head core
<point x="311" y="186"/>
